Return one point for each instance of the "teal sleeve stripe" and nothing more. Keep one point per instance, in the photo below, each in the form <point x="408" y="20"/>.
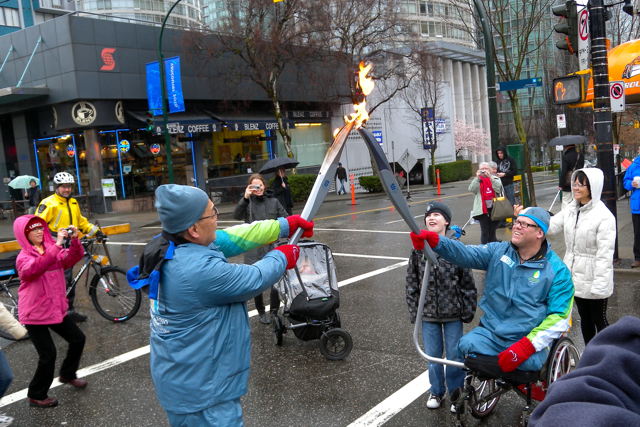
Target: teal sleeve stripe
<point x="241" y="238"/>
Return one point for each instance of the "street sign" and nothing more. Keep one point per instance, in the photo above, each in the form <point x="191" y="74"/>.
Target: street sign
<point x="407" y="161"/>
<point x="616" y="149"/>
<point x="519" y="84"/>
<point x="377" y="134"/>
<point x="584" y="44"/>
<point x="562" y="121"/>
<point x="616" y="92"/>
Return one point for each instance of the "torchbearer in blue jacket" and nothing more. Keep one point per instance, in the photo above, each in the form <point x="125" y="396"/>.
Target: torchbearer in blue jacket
<point x="200" y="338"/>
<point x="528" y="292"/>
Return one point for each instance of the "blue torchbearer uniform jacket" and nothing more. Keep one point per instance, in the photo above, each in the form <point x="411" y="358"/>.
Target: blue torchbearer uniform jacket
<point x="200" y="338"/>
<point x="532" y="299"/>
<point x="634" y="170"/>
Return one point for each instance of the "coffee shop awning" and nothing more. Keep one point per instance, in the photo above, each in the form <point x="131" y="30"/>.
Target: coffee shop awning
<point x="185" y="122"/>
<point x="248" y="121"/>
<point x="12" y="94"/>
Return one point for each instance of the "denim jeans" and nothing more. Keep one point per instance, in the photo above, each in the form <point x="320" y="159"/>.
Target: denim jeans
<point x="341" y="187"/>
<point x="432" y="337"/>
<point x="509" y="193"/>
<point x="6" y="376"/>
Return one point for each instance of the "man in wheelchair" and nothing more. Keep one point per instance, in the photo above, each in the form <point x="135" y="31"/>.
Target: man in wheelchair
<point x="528" y="292"/>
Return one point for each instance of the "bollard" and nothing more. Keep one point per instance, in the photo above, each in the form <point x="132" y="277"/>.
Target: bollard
<point x="438" y="180"/>
<point x="353" y="190"/>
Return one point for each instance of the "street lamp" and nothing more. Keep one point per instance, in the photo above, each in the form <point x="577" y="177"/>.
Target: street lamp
<point x="163" y="85"/>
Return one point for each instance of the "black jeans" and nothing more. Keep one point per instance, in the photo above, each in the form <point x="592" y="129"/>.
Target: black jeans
<point x="487" y="227"/>
<point x="41" y="338"/>
<point x="71" y="296"/>
<point x="593" y="315"/>
<point x="274" y="301"/>
<point x="635" y="218"/>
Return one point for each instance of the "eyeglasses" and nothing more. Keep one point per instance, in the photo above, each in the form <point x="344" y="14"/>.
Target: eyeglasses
<point x="215" y="213"/>
<point x="578" y="186"/>
<point x="523" y="224"/>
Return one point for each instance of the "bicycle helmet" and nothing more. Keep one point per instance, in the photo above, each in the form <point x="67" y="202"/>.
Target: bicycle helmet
<point x="63" y="178"/>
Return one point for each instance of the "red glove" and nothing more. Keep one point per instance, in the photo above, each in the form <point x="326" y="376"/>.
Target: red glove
<point x="512" y="357"/>
<point x="296" y="221"/>
<point x="418" y="239"/>
<point x="292" y="252"/>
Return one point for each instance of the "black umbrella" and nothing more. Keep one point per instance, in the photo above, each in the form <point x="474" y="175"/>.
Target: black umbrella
<point x="279" y="162"/>
<point x="568" y="140"/>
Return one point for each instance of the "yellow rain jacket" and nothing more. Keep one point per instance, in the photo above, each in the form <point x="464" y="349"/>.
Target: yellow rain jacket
<point x="61" y="213"/>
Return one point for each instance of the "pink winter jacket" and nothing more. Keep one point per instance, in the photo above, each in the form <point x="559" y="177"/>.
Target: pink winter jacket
<point x="42" y="293"/>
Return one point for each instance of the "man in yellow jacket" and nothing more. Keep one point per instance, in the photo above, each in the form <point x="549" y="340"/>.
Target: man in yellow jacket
<point x="60" y="210"/>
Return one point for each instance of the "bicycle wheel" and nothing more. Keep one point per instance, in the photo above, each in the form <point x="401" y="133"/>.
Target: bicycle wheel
<point x="112" y="296"/>
<point x="483" y="389"/>
<point x="9" y="297"/>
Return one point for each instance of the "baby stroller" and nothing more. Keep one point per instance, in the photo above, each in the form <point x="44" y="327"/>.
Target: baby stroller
<point x="310" y="297"/>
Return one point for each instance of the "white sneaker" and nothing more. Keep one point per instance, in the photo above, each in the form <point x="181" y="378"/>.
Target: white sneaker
<point x="433" y="402"/>
<point x="5" y="420"/>
<point x="453" y="408"/>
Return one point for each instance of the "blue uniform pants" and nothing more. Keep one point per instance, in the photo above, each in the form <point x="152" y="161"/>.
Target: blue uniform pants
<point x="226" y="414"/>
<point x="482" y="341"/>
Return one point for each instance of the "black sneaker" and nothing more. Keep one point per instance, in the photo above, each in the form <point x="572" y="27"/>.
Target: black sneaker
<point x="263" y="318"/>
<point x="76" y="317"/>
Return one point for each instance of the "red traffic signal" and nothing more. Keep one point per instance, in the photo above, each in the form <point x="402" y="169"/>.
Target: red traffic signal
<point x="150" y="120"/>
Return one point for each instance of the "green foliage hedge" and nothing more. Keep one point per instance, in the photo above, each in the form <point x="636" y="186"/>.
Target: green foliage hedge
<point x="454" y="171"/>
<point x="370" y="183"/>
<point x="300" y="184"/>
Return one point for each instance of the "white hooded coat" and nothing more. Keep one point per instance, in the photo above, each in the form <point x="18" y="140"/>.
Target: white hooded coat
<point x="590" y="235"/>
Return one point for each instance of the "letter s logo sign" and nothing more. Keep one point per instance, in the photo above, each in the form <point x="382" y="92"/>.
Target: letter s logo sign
<point x="107" y="58"/>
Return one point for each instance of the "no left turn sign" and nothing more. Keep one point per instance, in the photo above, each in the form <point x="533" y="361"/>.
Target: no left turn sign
<point x="583" y="24"/>
<point x="616" y="92"/>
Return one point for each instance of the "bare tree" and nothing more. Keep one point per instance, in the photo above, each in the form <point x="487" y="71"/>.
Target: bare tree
<point x="519" y="31"/>
<point x="426" y="89"/>
<point x="264" y="40"/>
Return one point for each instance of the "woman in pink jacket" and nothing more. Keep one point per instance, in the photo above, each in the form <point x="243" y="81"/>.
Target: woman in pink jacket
<point x="43" y="303"/>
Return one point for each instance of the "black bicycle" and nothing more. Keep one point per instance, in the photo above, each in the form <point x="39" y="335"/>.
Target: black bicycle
<point x="109" y="290"/>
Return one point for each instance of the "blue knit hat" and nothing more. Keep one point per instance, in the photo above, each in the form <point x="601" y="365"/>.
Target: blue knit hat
<point x="539" y="216"/>
<point x="180" y="206"/>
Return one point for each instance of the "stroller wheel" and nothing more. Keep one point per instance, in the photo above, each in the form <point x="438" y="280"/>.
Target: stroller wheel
<point x="336" y="344"/>
<point x="276" y="325"/>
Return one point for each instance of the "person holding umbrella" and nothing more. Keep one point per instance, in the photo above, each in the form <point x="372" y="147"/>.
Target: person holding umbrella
<point x="34" y="195"/>
<point x="258" y="204"/>
<point x="282" y="191"/>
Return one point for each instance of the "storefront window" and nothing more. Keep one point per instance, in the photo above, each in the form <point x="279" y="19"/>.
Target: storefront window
<point x="230" y="153"/>
<point x="55" y="155"/>
<point x="309" y="143"/>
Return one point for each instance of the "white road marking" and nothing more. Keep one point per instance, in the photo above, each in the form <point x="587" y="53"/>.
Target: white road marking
<point x="360" y="231"/>
<point x="109" y="363"/>
<point x="395" y="403"/>
<point x="372" y="256"/>
<point x="400" y="220"/>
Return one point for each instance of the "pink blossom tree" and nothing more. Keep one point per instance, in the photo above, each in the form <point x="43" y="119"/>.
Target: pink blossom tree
<point x="470" y="136"/>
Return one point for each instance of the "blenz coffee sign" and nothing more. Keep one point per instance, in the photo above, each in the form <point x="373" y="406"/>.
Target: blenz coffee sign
<point x="176" y="128"/>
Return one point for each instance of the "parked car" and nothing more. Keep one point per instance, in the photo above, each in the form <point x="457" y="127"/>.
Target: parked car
<point x="416" y="178"/>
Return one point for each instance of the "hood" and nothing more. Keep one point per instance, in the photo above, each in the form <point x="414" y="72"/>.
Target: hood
<point x="596" y="181"/>
<point x="503" y="149"/>
<point x="637" y="160"/>
<point x="19" y="226"/>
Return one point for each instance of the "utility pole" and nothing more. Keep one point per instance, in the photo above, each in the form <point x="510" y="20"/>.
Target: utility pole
<point x="602" y="104"/>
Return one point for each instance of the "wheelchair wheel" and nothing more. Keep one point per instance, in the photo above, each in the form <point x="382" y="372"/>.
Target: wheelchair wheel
<point x="564" y="359"/>
<point x="482" y="389"/>
<point x="276" y="325"/>
<point x="336" y="344"/>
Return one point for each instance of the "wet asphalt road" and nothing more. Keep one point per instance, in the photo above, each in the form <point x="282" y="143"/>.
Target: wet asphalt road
<point x="291" y="385"/>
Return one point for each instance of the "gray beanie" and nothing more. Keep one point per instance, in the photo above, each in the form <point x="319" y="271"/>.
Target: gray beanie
<point x="180" y="206"/>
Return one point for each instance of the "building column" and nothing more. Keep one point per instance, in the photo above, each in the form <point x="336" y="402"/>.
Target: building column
<point x="468" y="96"/>
<point x="447" y="75"/>
<point x="475" y="94"/>
<point x="26" y="163"/>
<point x="94" y="159"/>
<point x="459" y="90"/>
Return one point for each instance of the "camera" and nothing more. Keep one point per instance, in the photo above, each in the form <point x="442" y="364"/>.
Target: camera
<point x="255" y="187"/>
<point x="67" y="240"/>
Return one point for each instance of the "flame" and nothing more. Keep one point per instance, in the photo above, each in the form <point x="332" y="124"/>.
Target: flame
<point x="366" y="84"/>
<point x="335" y="132"/>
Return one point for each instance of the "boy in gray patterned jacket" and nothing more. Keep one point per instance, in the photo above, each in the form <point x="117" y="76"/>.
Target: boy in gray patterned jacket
<point x="451" y="300"/>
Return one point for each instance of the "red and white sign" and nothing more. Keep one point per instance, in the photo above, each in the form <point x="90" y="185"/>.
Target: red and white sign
<point x="562" y="121"/>
<point x="616" y="91"/>
<point x="584" y="45"/>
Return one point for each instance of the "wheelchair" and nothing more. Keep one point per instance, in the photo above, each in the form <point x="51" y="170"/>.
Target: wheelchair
<point x="485" y="381"/>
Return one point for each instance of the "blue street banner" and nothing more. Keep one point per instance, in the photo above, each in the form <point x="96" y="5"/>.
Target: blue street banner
<point x="377" y="134"/>
<point x="154" y="91"/>
<point x="174" y="84"/>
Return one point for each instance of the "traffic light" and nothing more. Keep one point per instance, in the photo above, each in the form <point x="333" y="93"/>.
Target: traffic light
<point x="150" y="120"/>
<point x="630" y="7"/>
<point x="569" y="27"/>
<point x="567" y="90"/>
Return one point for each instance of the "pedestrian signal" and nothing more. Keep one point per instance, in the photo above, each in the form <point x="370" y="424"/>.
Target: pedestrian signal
<point x="150" y="120"/>
<point x="568" y="90"/>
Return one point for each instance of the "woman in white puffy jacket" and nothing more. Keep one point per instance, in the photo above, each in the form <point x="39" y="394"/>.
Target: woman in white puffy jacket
<point x="590" y="234"/>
